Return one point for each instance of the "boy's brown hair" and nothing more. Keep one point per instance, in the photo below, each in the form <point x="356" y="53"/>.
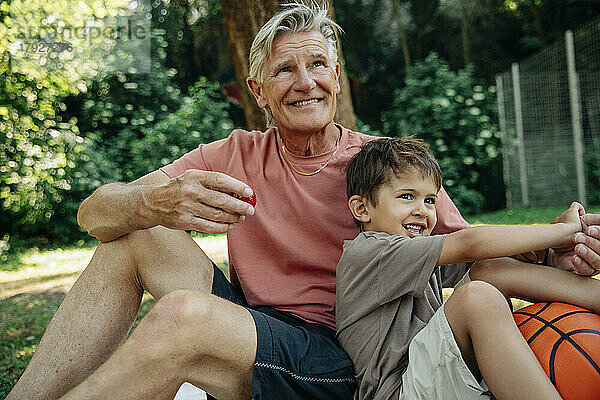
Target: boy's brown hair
<point x="382" y="160"/>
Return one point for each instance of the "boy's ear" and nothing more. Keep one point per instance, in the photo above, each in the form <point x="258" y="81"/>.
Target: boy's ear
<point x="359" y="209"/>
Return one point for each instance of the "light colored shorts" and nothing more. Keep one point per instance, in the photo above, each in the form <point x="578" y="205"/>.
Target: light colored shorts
<point x="436" y="369"/>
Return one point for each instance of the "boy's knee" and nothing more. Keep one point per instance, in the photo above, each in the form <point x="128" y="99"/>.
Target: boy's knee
<point x="480" y="296"/>
<point x="484" y="270"/>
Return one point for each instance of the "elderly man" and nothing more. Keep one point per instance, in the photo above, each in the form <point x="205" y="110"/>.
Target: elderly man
<point x="270" y="334"/>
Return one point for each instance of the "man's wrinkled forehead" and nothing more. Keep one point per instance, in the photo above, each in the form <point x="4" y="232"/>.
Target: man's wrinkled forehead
<point x="309" y="44"/>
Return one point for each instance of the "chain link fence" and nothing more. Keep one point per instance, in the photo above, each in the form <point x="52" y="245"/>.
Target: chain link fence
<point x="549" y="111"/>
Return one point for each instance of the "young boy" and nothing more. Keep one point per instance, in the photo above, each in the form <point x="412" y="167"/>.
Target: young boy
<point x="403" y="341"/>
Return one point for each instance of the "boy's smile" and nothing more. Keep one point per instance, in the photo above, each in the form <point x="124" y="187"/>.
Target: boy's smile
<point x="405" y="206"/>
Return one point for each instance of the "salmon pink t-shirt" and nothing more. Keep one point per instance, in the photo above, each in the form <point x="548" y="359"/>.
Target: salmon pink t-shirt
<point x="285" y="255"/>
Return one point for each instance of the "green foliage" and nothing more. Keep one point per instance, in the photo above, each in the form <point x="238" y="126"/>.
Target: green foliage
<point x="69" y="125"/>
<point x="46" y="163"/>
<point x="366" y="128"/>
<point x="202" y="118"/>
<point x="38" y="151"/>
<point x="117" y="109"/>
<point x="457" y="117"/>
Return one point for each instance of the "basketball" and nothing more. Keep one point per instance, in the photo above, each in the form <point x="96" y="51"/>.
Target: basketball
<point x="566" y="341"/>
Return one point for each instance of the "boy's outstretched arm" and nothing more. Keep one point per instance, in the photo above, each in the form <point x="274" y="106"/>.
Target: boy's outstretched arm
<point x="482" y="242"/>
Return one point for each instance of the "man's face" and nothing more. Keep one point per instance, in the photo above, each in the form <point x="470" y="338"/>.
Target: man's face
<point x="405" y="206"/>
<point x="301" y="82"/>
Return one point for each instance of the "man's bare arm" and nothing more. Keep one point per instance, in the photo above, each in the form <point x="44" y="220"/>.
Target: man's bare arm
<point x="113" y="210"/>
<point x="195" y="200"/>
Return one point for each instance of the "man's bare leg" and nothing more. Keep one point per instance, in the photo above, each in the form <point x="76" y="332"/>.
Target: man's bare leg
<point x="98" y="312"/>
<point x="188" y="335"/>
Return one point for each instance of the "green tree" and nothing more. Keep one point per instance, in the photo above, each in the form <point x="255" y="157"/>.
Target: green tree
<point x="202" y="118"/>
<point x="457" y="117"/>
<point x="38" y="148"/>
<point x="66" y="129"/>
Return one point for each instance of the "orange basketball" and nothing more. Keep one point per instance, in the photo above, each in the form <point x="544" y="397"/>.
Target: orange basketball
<point x="566" y="341"/>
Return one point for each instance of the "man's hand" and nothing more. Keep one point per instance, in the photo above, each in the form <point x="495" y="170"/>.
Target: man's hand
<point x="583" y="257"/>
<point x="197" y="200"/>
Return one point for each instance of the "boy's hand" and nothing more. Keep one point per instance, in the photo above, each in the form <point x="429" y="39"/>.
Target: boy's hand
<point x="572" y="217"/>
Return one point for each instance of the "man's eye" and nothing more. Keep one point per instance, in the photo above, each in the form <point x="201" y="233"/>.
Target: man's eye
<point x="284" y="69"/>
<point x="319" y="63"/>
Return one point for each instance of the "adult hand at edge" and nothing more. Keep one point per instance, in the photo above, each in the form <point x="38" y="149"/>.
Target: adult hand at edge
<point x="198" y="200"/>
<point x="584" y="257"/>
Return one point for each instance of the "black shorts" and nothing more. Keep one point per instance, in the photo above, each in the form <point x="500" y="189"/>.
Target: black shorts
<point x="295" y="359"/>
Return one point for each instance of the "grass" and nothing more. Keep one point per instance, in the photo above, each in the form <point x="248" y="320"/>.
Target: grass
<point x="32" y="286"/>
<point x="522" y="215"/>
<point x="34" y="282"/>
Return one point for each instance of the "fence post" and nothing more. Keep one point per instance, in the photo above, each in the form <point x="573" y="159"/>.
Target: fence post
<point x="520" y="138"/>
<point x="503" y="139"/>
<point x="576" y="117"/>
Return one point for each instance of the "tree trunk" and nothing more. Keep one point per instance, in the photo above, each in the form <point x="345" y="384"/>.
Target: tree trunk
<point x="539" y="26"/>
<point x="465" y="23"/>
<point x="401" y="34"/>
<point x="243" y="20"/>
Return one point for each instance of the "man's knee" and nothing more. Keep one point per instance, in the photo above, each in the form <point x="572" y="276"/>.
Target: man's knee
<point x="189" y="307"/>
<point x="185" y="313"/>
<point x="184" y="308"/>
<point x="127" y="245"/>
<point x="178" y="324"/>
<point x="161" y="260"/>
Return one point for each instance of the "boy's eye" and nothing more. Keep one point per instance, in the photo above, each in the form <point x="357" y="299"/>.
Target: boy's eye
<point x="406" y="196"/>
<point x="430" y="200"/>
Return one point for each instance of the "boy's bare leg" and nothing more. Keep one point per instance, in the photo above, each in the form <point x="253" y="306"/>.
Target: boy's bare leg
<point x="492" y="346"/>
<point x="538" y="282"/>
<point x="98" y="312"/>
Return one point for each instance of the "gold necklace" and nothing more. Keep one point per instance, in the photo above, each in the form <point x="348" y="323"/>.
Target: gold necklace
<point x="337" y="146"/>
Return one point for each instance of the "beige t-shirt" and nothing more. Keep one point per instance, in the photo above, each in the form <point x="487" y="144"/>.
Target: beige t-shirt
<point x="285" y="255"/>
<point x="388" y="288"/>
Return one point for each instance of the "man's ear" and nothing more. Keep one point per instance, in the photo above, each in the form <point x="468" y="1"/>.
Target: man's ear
<point x="358" y="208"/>
<point x="256" y="89"/>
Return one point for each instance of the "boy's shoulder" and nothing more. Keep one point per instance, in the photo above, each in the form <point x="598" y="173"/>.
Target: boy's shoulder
<point x="369" y="237"/>
<point x="370" y="243"/>
<point x="377" y="239"/>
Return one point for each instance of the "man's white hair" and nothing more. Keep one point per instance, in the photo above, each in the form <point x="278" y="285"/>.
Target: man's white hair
<point x="297" y="18"/>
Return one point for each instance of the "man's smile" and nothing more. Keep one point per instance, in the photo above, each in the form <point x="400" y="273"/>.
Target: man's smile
<point x="302" y="103"/>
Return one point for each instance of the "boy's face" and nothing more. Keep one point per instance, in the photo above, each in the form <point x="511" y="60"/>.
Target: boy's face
<point x="405" y="206"/>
